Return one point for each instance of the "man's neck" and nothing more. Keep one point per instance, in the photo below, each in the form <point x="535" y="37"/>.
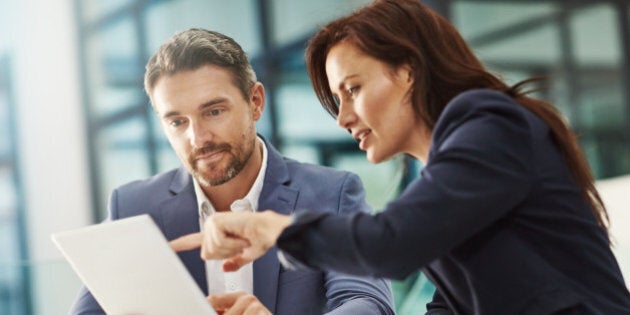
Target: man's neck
<point x="223" y="195"/>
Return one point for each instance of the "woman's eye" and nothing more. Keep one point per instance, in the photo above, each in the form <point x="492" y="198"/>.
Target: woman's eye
<point x="336" y="100"/>
<point x="353" y="90"/>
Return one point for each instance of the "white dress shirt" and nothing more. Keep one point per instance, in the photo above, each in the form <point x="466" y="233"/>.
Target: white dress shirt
<point x="243" y="279"/>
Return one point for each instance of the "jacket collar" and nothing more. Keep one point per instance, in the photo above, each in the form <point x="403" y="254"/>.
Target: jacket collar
<point x="276" y="195"/>
<point x="181" y="181"/>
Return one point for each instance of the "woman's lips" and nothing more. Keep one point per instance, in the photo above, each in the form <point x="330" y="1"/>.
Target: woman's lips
<point x="362" y="138"/>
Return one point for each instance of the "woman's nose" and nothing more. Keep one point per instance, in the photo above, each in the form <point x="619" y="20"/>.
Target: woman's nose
<point x="346" y="116"/>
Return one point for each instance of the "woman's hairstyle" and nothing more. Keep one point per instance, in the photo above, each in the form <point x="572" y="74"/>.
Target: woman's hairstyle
<point x="406" y="32"/>
<point x="194" y="48"/>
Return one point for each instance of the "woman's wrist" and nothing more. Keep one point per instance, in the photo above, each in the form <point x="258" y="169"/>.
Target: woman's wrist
<point x="273" y="224"/>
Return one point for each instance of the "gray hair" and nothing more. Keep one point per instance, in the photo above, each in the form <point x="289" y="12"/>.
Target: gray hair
<point x="194" y="48"/>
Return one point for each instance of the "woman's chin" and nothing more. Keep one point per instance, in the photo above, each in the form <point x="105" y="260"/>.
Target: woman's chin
<point x="372" y="157"/>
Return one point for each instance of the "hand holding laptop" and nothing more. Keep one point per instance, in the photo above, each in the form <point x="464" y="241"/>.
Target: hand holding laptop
<point x="225" y="304"/>
<point x="129" y="267"/>
<point x="237" y="303"/>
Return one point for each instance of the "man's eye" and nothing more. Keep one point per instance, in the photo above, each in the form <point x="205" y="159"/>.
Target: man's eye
<point x="176" y="122"/>
<point x="214" y="112"/>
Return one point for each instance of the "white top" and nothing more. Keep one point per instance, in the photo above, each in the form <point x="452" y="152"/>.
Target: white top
<point x="243" y="279"/>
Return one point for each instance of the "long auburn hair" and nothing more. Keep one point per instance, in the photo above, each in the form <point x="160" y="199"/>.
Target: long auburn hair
<point x="406" y="32"/>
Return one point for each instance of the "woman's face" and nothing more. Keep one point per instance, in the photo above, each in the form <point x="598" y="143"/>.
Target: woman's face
<point x="374" y="104"/>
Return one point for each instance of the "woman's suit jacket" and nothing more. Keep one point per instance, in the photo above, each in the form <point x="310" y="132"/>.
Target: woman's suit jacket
<point x="496" y="221"/>
<point x="288" y="185"/>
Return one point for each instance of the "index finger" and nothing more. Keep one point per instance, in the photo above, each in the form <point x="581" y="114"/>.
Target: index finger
<point x="187" y="242"/>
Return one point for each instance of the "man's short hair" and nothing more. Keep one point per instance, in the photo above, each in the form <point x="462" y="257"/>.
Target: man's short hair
<point x="194" y="48"/>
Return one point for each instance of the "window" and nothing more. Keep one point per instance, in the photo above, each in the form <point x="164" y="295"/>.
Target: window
<point x="14" y="272"/>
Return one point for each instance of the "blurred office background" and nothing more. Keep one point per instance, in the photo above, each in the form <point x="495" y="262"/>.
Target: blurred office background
<point x="75" y="122"/>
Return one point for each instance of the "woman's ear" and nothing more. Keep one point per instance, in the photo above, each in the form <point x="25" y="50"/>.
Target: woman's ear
<point x="405" y="74"/>
<point x="408" y="72"/>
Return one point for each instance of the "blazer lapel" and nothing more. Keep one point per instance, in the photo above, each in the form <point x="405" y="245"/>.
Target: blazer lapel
<point x="277" y="196"/>
<point x="180" y="217"/>
<point x="179" y="213"/>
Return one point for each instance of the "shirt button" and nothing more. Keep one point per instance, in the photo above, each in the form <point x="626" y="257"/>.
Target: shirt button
<point x="205" y="208"/>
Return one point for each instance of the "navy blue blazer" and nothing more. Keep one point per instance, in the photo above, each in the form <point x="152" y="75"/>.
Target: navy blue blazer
<point x="288" y="185"/>
<point x="495" y="220"/>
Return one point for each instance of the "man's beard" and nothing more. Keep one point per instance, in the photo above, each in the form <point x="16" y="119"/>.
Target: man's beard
<point x="236" y="163"/>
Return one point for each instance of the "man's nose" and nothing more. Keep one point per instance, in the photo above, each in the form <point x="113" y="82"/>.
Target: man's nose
<point x="199" y="134"/>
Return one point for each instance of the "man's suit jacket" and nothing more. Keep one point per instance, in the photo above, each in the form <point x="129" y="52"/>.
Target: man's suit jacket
<point x="288" y="186"/>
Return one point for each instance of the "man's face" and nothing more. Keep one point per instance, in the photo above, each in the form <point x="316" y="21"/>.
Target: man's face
<point x="209" y="124"/>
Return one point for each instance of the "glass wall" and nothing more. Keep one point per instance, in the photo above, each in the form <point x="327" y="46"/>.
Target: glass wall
<point x="118" y="38"/>
<point x="580" y="46"/>
<point x="14" y="272"/>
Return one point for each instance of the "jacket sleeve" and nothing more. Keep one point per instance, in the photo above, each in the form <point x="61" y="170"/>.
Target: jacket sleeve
<point x="85" y="304"/>
<point x="479" y="169"/>
<point x="348" y="294"/>
<point x="438" y="305"/>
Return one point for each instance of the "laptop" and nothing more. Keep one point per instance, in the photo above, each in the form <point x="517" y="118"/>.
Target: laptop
<point x="130" y="268"/>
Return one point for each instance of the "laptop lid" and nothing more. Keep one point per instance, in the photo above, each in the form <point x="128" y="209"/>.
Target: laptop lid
<point x="130" y="268"/>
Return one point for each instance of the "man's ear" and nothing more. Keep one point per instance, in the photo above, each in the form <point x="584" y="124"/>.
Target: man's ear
<point x="257" y="99"/>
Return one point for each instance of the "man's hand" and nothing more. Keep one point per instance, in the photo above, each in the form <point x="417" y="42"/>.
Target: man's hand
<point x="237" y="303"/>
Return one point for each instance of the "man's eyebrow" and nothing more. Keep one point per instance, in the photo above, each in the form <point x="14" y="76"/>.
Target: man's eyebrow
<point x="211" y="103"/>
<point x="170" y="114"/>
<point x="200" y="108"/>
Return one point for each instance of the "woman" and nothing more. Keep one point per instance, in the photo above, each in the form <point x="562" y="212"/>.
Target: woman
<point x="505" y="218"/>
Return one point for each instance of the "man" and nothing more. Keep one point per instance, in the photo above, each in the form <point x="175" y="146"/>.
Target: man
<point x="206" y="95"/>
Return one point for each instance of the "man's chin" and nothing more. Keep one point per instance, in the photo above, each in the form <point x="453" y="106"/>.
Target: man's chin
<point x="210" y="181"/>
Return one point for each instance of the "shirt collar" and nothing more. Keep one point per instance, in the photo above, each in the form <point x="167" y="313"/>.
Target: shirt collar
<point x="248" y="203"/>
